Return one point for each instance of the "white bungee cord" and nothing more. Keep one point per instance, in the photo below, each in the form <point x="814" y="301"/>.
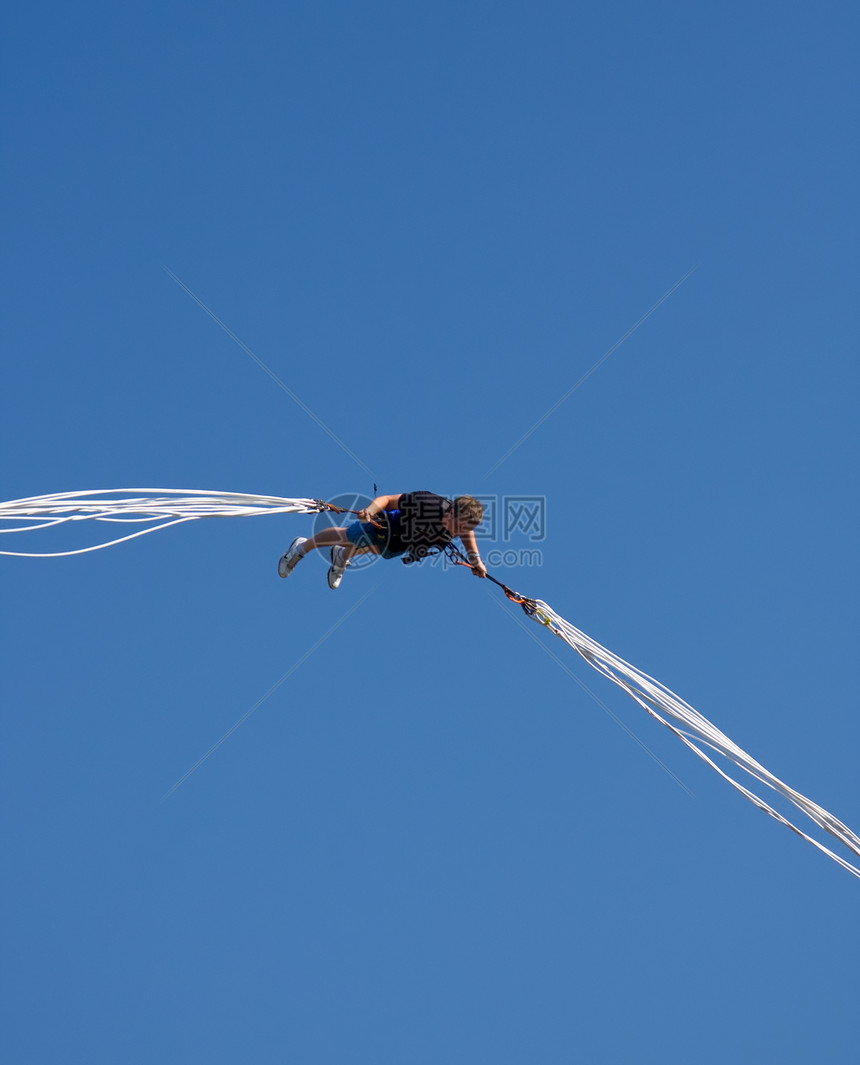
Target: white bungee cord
<point x="696" y="732"/>
<point x="159" y="508"/>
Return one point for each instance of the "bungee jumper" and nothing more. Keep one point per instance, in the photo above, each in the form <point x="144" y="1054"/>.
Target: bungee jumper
<point x="410" y="526"/>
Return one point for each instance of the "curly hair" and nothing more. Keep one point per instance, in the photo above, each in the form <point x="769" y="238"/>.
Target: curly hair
<point x="468" y="510"/>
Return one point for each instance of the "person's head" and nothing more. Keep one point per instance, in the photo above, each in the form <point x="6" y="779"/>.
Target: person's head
<point x="466" y="514"/>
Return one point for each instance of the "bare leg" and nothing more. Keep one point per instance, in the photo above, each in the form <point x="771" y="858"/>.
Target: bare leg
<point x="335" y="537"/>
<point x="325" y="538"/>
<point x="352" y="550"/>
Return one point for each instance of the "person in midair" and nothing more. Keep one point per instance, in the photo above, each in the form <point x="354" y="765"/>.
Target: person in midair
<point x="409" y="525"/>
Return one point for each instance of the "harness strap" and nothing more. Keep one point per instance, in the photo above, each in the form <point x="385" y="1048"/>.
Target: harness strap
<point x="528" y="605"/>
<point x="323" y="506"/>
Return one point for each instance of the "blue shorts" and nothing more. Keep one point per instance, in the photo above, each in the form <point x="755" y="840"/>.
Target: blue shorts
<point x="365" y="534"/>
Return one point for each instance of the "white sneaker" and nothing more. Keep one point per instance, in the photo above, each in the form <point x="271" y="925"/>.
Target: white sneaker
<point x="291" y="557"/>
<point x="338" y="564"/>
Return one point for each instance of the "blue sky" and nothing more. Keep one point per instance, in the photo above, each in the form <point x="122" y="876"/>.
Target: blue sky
<point x="429" y="221"/>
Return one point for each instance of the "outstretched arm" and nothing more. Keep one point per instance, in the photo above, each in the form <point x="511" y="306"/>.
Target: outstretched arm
<point x="471" y="545"/>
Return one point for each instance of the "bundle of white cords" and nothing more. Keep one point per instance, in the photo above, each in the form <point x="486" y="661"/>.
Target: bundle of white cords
<point x="694" y="730"/>
<point x="159" y="508"/>
<point x="156" y="508"/>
